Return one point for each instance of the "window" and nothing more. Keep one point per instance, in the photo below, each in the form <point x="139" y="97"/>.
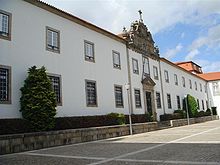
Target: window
<point x="196" y="86"/>
<point x="135" y="66"/>
<point x="190" y="84"/>
<point x="203" y="107"/>
<point x="146" y="67"/>
<point x="116" y="60"/>
<point x="137" y="95"/>
<point x="158" y="100"/>
<point x="184" y="81"/>
<point x="166" y="76"/>
<point x="178" y="102"/>
<point x="155" y="72"/>
<point x="5" y="84"/>
<point x="207" y="104"/>
<point x="198" y="103"/>
<point x="56" y="84"/>
<point x="53" y="40"/>
<point x="200" y="87"/>
<point x="89" y="51"/>
<point x="175" y="79"/>
<point x="91" y="94"/>
<point x="118" y="96"/>
<point x="216" y="89"/>
<point x="5" y="25"/>
<point x="205" y="88"/>
<point x="169" y="101"/>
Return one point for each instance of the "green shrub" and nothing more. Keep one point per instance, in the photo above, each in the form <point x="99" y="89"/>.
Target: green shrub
<point x="208" y="112"/>
<point x="201" y="114"/>
<point x="192" y="106"/>
<point x="181" y="112"/>
<point x="149" y="117"/>
<point x="118" y="117"/>
<point x="38" y="100"/>
<point x="214" y="110"/>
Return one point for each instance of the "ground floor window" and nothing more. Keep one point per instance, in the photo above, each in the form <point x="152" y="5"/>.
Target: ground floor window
<point x="169" y="101"/>
<point x="5" y="84"/>
<point x="56" y="84"/>
<point x="178" y="102"/>
<point x="118" y="96"/>
<point x="91" y="94"/>
<point x="137" y="95"/>
<point x="158" y="100"/>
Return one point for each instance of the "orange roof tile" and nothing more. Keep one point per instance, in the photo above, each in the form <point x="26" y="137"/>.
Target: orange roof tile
<point x="210" y="76"/>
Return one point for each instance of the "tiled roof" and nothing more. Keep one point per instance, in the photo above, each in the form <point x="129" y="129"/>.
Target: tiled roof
<point x="210" y="76"/>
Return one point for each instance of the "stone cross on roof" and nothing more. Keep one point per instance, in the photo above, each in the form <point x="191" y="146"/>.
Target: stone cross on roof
<point x="140" y="13"/>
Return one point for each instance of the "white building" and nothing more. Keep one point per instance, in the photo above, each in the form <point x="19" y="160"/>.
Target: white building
<point x="88" y="66"/>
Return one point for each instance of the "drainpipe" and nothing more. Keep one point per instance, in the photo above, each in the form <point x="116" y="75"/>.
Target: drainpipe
<point x="129" y="78"/>
<point x="162" y="93"/>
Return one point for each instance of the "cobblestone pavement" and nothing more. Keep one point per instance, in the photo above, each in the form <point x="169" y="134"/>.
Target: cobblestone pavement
<point x="197" y="144"/>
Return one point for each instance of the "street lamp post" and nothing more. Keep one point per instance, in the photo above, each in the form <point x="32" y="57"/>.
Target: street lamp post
<point x="127" y="87"/>
<point x="187" y="110"/>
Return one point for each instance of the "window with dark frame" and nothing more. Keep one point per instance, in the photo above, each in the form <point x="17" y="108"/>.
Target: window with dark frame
<point x="91" y="94"/>
<point x="135" y="66"/>
<point x="5" y="93"/>
<point x="190" y="84"/>
<point x="118" y="96"/>
<point x="158" y="100"/>
<point x="203" y="107"/>
<point x="169" y="101"/>
<point x="166" y="76"/>
<point x="137" y="98"/>
<point x="175" y="79"/>
<point x="155" y="72"/>
<point x="178" y="102"/>
<point x="184" y="81"/>
<point x="89" y="51"/>
<point x="146" y="67"/>
<point x="56" y="84"/>
<point x="198" y="104"/>
<point x="195" y="85"/>
<point x="53" y="40"/>
<point x="116" y="60"/>
<point x="5" y="25"/>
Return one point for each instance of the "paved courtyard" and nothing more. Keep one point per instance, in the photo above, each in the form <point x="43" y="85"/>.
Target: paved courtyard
<point x="188" y="145"/>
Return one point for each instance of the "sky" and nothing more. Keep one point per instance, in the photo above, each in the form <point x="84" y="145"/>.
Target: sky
<point x="184" y="30"/>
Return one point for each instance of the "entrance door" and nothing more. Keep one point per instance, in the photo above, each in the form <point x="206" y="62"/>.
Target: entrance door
<point x="149" y="102"/>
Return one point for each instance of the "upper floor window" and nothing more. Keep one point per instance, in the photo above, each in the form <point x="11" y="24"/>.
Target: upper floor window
<point x="89" y="51"/>
<point x="118" y="96"/>
<point x="203" y="106"/>
<point x="53" y="40"/>
<point x="216" y="89"/>
<point x="116" y="60"/>
<point x="200" y="87"/>
<point x="166" y="76"/>
<point x="158" y="100"/>
<point x="56" y="84"/>
<point x="5" y="84"/>
<point x="175" y="79"/>
<point x="184" y="81"/>
<point x="198" y="104"/>
<point x="169" y="101"/>
<point x="155" y="72"/>
<point x="91" y="94"/>
<point x="5" y="25"/>
<point x="205" y="88"/>
<point x="135" y="66"/>
<point x="190" y="84"/>
<point x="146" y="66"/>
<point x="196" y="86"/>
<point x="178" y="102"/>
<point x="137" y="95"/>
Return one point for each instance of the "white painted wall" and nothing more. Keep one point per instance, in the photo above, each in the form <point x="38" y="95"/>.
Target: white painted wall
<point x="214" y="100"/>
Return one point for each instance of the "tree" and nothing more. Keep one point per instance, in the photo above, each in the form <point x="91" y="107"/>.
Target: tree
<point x="192" y="106"/>
<point x="38" y="100"/>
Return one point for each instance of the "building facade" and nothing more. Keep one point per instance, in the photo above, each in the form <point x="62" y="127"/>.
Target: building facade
<point x="88" y="66"/>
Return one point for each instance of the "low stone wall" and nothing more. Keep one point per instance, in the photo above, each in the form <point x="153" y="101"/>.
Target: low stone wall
<point x="182" y="122"/>
<point x="32" y="141"/>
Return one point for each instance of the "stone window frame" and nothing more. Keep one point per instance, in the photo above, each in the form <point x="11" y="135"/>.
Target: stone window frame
<point x="158" y="100"/>
<point x="196" y="87"/>
<point x="169" y="104"/>
<point x="175" y="79"/>
<point x="166" y="76"/>
<point x="119" y="86"/>
<point x="58" y="40"/>
<point x="200" y="85"/>
<point x="116" y="66"/>
<point x="135" y="71"/>
<point x="96" y="95"/>
<point x="136" y="105"/>
<point x="190" y="83"/>
<point x="9" y="101"/>
<point x="198" y="104"/>
<point x="203" y="106"/>
<point x="8" y="37"/>
<point x="146" y="63"/>
<point x="156" y="75"/>
<point x="87" y="57"/>
<point x="178" y="102"/>
<point x="184" y="81"/>
<point x="216" y="88"/>
<point x="50" y="75"/>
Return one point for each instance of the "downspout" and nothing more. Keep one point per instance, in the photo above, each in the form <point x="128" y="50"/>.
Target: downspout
<point x="129" y="78"/>
<point x="162" y="93"/>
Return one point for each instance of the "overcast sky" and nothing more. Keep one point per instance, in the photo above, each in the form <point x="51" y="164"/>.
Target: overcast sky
<point x="183" y="29"/>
